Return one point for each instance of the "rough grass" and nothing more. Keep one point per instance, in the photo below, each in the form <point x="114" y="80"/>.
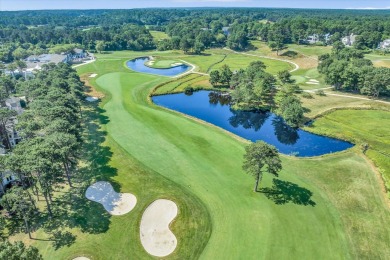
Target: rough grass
<point x="362" y="127"/>
<point x="319" y="104"/>
<point x="331" y="205"/>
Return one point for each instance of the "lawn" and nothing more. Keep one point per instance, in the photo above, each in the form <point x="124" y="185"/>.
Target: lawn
<point x="162" y="63"/>
<point x="195" y="81"/>
<point x="158" y="36"/>
<point x="330" y="205"/>
<point x="362" y="127"/>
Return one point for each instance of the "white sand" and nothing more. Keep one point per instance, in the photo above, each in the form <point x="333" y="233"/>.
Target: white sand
<point x="315" y="81"/>
<point x="81" y="258"/>
<point x="115" y="203"/>
<point x="156" y="237"/>
<point x="312" y="83"/>
<point x="91" y="99"/>
<point x="176" y="64"/>
<point x="93" y="75"/>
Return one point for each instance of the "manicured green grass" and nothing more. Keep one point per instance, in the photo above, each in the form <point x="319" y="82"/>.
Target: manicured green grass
<point x="158" y="36"/>
<point x="239" y="61"/>
<point x="310" y="50"/>
<point x="205" y="62"/>
<point x="333" y="207"/>
<point x="159" y="63"/>
<point x="362" y="127"/>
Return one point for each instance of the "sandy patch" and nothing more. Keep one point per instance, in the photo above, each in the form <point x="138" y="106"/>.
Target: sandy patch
<point x="156" y="237"/>
<point x="115" y="203"/>
<point x="312" y="83"/>
<point x="91" y="99"/>
<point x="81" y="258"/>
<point x="93" y="75"/>
<point x="176" y="64"/>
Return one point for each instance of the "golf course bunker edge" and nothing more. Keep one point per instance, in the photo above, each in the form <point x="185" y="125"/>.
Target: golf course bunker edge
<point x="115" y="203"/>
<point x="156" y="237"/>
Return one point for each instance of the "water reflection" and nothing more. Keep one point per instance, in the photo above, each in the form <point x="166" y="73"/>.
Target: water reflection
<point x="214" y="108"/>
<point x="284" y="133"/>
<point x="248" y="119"/>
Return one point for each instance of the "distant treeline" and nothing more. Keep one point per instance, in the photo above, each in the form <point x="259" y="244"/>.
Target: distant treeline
<point x="191" y="30"/>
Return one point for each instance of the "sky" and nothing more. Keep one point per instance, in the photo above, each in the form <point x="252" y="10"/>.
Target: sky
<point x="6" y="5"/>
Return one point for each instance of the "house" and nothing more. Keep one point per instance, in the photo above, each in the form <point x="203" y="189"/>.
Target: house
<point x="13" y="103"/>
<point x="226" y="30"/>
<point x="327" y="37"/>
<point x="349" y="40"/>
<point x="313" y="39"/>
<point x="6" y="178"/>
<point x="36" y="62"/>
<point x="385" y="44"/>
<point x="79" y="54"/>
<point x="13" y="136"/>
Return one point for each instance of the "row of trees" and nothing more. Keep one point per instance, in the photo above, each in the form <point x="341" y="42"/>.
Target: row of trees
<point x="347" y="70"/>
<point x="46" y="158"/>
<point x="191" y="30"/>
<point x="19" y="43"/>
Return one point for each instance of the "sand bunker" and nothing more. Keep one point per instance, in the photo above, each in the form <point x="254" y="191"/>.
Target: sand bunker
<point x="91" y="99"/>
<point x="312" y="83"/>
<point x="81" y="258"/>
<point x="156" y="237"/>
<point x="176" y="64"/>
<point x="93" y="75"/>
<point x="115" y="203"/>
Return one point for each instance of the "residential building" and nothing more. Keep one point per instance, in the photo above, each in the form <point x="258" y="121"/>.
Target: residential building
<point x="226" y="30"/>
<point x="313" y="39"/>
<point x="385" y="44"/>
<point x="6" y="178"/>
<point x="13" y="103"/>
<point x="349" y="40"/>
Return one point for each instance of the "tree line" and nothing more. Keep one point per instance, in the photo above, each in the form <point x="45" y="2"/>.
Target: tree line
<point x="190" y="30"/>
<point x="347" y="70"/>
<point x="47" y="156"/>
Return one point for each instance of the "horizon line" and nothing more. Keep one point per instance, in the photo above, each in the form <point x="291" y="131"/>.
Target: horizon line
<point x="207" y="7"/>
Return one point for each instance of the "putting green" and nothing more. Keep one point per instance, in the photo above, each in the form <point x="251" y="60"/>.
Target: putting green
<point x="319" y="207"/>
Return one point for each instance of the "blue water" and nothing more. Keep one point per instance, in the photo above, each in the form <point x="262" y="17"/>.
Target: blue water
<point x="213" y="108"/>
<point x="138" y="65"/>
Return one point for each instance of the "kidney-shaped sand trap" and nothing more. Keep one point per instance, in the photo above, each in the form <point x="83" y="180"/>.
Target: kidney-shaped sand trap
<point x="156" y="237"/>
<point x="115" y="203"/>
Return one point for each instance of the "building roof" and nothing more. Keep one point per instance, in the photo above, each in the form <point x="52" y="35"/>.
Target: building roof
<point x="78" y="51"/>
<point x="35" y="62"/>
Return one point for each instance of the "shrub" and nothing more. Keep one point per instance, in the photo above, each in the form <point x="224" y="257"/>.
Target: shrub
<point x="320" y="92"/>
<point x="307" y="95"/>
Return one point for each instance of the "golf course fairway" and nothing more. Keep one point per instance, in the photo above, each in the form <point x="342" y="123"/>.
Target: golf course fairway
<point x="333" y="206"/>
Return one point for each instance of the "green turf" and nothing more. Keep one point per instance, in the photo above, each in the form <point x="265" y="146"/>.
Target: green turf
<point x="159" y="63"/>
<point x="155" y="153"/>
<point x="158" y="36"/>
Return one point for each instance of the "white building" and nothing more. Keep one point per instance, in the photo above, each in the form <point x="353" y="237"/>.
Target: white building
<point x="385" y="44"/>
<point x="349" y="40"/>
<point x="6" y="178"/>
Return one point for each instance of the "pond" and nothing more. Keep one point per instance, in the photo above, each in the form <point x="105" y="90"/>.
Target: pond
<point x="214" y="108"/>
<point x="138" y="65"/>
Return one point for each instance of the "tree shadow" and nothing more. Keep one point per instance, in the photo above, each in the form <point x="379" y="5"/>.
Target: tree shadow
<point x="283" y="192"/>
<point x="62" y="238"/>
